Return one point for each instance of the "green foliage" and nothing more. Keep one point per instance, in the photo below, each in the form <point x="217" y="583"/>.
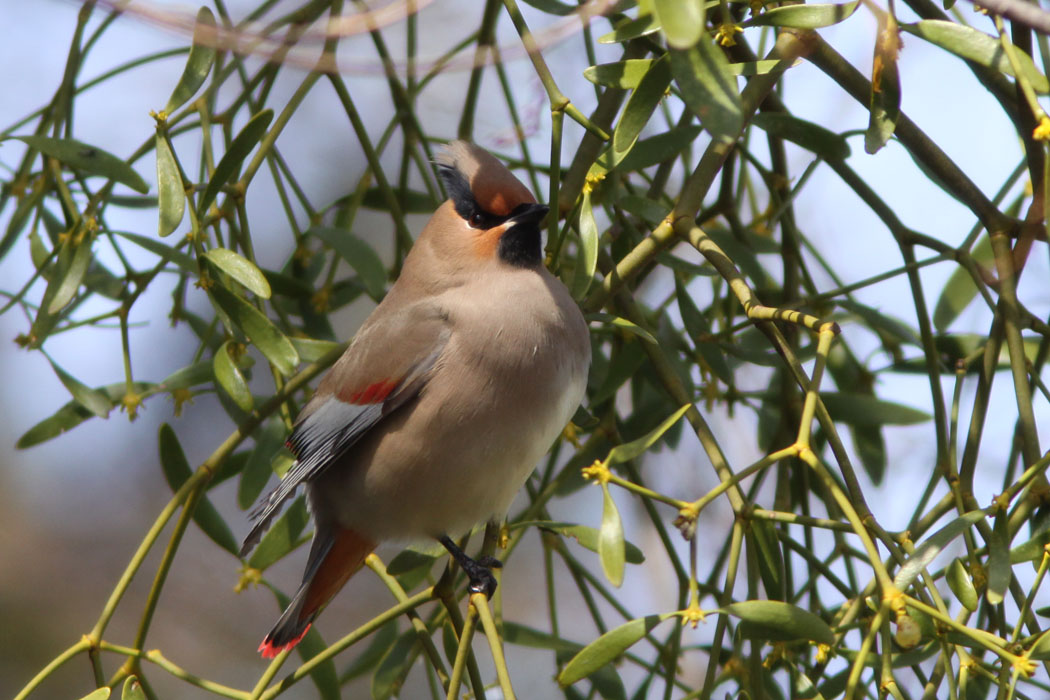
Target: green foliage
<point x="723" y="330"/>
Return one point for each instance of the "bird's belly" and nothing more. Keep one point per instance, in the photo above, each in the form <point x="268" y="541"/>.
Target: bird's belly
<point x="454" y="458"/>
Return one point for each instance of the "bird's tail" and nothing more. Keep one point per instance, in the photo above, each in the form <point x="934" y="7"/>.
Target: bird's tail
<point x="335" y="556"/>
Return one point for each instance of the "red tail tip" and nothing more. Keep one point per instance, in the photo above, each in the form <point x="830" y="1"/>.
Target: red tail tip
<point x="269" y="650"/>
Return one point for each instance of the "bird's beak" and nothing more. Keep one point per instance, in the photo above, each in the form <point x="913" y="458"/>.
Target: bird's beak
<point x="529" y="214"/>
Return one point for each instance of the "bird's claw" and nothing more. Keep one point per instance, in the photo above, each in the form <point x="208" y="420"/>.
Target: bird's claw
<point x="482" y="580"/>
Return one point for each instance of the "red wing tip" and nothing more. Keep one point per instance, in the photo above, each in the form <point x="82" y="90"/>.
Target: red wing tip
<point x="269" y="650"/>
<point x="374" y="393"/>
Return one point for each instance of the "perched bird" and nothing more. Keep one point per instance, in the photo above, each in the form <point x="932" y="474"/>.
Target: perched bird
<point x="451" y="391"/>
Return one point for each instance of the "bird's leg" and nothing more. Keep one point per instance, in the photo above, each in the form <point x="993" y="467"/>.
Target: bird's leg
<point x="478" y="572"/>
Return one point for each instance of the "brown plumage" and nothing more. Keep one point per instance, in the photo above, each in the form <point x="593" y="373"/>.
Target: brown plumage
<point x="447" y="397"/>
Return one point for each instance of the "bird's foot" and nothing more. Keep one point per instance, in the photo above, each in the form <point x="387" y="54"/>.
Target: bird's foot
<point x="479" y="571"/>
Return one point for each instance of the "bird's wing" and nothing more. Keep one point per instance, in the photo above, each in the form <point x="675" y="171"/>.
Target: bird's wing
<point x="386" y="366"/>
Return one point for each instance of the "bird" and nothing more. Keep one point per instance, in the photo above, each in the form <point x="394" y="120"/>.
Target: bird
<point x="451" y="391"/>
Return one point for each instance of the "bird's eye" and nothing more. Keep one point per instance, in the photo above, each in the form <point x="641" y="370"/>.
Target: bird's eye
<point x="477" y="219"/>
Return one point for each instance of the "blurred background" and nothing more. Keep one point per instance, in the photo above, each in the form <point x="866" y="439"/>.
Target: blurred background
<point x="72" y="510"/>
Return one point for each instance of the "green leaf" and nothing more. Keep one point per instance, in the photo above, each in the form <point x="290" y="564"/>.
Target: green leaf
<point x="765" y="67"/>
<point x="682" y="21"/>
<point x="260" y="330"/>
<point x="1032" y="550"/>
<point x="587" y="537"/>
<point x="631" y="29"/>
<point x="885" y="106"/>
<point x="588" y="257"/>
<point x="826" y="144"/>
<point x="100" y="694"/>
<point x="311" y="350"/>
<point x="230" y="164"/>
<point x="92" y="399"/>
<point x="640" y="107"/>
<point x="622" y="324"/>
<point x="1040" y="649"/>
<point x="411" y="201"/>
<point x="362" y="258"/>
<point x="241" y="269"/>
<point x="610" y="540"/>
<point x="73" y="414"/>
<point x="932" y="546"/>
<point x="324" y="676"/>
<point x="230" y="377"/>
<point x="709" y="88"/>
<point x="132" y="690"/>
<point x="866" y="410"/>
<point x="803" y="16"/>
<point x="630" y="450"/>
<point x="87" y="159"/>
<point x="762" y="538"/>
<point x="198" y="65"/>
<point x="608" y="647"/>
<point x="960" y="289"/>
<point x="165" y="251"/>
<point x="781" y="621"/>
<point x="171" y="194"/>
<point x="257" y="471"/>
<point x="624" y="75"/>
<point x="999" y="571"/>
<point x="408" y="560"/>
<point x="970" y="44"/>
<point x="394" y="667"/>
<point x="656" y="149"/>
<point x="282" y="537"/>
<point x="962" y="585"/>
<point x="697" y="327"/>
<point x="522" y="635"/>
<point x="377" y="648"/>
<point x="67" y="282"/>
<point x="176" y="471"/>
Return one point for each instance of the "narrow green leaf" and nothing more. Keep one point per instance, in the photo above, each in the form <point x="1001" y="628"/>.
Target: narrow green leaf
<point x="411" y="201"/>
<point x="656" y="149"/>
<point x="394" y="667"/>
<point x="1032" y="550"/>
<point x="92" y="399"/>
<point x="100" y="694"/>
<point x="260" y="330"/>
<point x="782" y="621"/>
<point x="960" y="289"/>
<point x="697" y="327"/>
<point x="361" y="256"/>
<point x="230" y="164"/>
<point x="624" y="325"/>
<point x="199" y="62"/>
<point x="973" y="45"/>
<point x="68" y="282"/>
<point x="682" y="21"/>
<point x="610" y="540"/>
<point x="186" y="377"/>
<point x="630" y="450"/>
<point x="932" y="546"/>
<point x="132" y="690"/>
<point x="230" y="377"/>
<point x="241" y="269"/>
<point x="962" y="585"/>
<point x="171" y="193"/>
<point x="165" y="251"/>
<point x="762" y="537"/>
<point x="257" y="471"/>
<point x="866" y="410"/>
<point x="588" y="256"/>
<point x="631" y="29"/>
<point x="765" y="67"/>
<point x="826" y="144"/>
<point x="176" y="471"/>
<point x="282" y="537"/>
<point x="587" y="537"/>
<point x="377" y="648"/>
<point x="885" y="105"/>
<point x="999" y="572"/>
<point x="624" y="75"/>
<point x="410" y="559"/>
<point x="709" y="88"/>
<point x="311" y="350"/>
<point x="522" y="635"/>
<point x="608" y="647"/>
<point x="803" y="16"/>
<point x="87" y="159"/>
<point x="73" y="414"/>
<point x="639" y="109"/>
<point x="324" y="677"/>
